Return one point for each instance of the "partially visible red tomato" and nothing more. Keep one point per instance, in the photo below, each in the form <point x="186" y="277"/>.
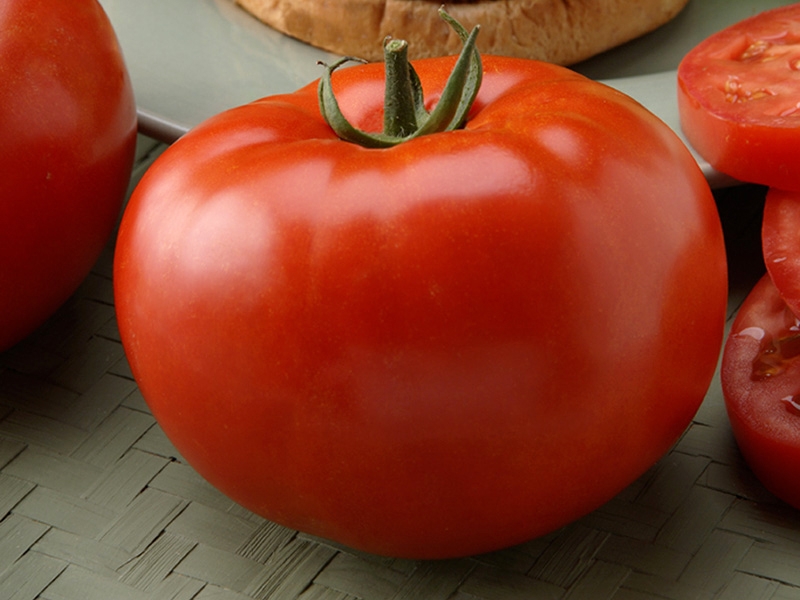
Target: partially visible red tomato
<point x="67" y="141"/>
<point x="761" y="384"/>
<point x="440" y="348"/>
<point x="739" y="98"/>
<point x="780" y="238"/>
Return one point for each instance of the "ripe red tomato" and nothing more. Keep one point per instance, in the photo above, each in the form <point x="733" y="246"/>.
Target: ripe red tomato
<point x="780" y="238"/>
<point x="67" y="141"/>
<point x="435" y="349"/>
<point x="739" y="98"/>
<point x="761" y="383"/>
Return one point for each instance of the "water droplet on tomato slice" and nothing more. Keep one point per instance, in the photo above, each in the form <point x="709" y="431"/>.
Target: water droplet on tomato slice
<point x="753" y="332"/>
<point x="792" y="111"/>
<point x="792" y="404"/>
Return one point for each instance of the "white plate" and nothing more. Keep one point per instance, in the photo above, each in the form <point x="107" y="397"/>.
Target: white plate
<point x="190" y="59"/>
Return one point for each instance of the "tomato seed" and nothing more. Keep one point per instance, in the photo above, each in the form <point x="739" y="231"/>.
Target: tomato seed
<point x="754" y="50"/>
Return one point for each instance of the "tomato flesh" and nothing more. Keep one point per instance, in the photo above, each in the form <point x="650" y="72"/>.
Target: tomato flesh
<point x="739" y="98"/>
<point x="761" y="385"/>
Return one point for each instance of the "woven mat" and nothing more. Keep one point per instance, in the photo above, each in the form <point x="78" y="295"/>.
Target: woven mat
<point x="96" y="504"/>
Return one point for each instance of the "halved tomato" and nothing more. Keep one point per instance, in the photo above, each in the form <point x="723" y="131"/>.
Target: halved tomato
<point x="761" y="385"/>
<point x="739" y="98"/>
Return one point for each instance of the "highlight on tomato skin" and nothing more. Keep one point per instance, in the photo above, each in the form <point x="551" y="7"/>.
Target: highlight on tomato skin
<point x="739" y="98"/>
<point x="761" y="385"/>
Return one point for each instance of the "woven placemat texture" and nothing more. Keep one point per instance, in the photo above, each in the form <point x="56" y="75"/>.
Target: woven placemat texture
<point x="96" y="504"/>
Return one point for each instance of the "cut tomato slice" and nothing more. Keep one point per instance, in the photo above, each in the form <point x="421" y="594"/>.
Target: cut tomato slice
<point x="761" y="385"/>
<point x="780" y="240"/>
<point x="739" y="98"/>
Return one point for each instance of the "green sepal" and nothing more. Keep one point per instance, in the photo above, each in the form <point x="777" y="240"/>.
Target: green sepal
<point x="405" y="116"/>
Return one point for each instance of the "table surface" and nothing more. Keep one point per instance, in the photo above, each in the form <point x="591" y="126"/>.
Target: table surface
<point x="96" y="504"/>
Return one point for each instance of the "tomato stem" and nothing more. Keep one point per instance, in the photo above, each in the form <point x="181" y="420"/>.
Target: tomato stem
<point x="403" y="91"/>
<point x="405" y="115"/>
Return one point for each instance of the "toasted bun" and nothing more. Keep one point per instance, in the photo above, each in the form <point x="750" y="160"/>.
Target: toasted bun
<point x="558" y="31"/>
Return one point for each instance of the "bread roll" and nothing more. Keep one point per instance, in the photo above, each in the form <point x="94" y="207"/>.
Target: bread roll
<point x="558" y="31"/>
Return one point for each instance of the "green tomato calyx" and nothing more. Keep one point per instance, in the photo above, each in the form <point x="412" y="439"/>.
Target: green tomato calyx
<point x="405" y="116"/>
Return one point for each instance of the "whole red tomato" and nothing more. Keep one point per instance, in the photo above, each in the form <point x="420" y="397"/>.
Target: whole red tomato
<point x="67" y="140"/>
<point x="434" y="349"/>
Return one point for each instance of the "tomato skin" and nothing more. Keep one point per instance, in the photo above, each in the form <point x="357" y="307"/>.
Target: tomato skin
<point x="738" y="96"/>
<point x="766" y="428"/>
<point x="781" y="243"/>
<point x="438" y="349"/>
<point x="67" y="142"/>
